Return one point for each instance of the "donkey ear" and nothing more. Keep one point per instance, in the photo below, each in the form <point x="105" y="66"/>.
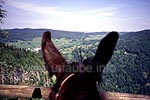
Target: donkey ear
<point x="53" y="58"/>
<point x="104" y="52"/>
<point x="105" y="49"/>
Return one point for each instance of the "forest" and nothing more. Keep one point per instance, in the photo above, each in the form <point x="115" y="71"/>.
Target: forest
<point x="128" y="71"/>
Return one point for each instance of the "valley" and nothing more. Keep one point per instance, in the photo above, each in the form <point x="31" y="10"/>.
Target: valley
<point x="128" y="71"/>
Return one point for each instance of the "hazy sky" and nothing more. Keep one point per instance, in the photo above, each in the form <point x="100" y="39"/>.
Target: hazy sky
<point x="78" y="15"/>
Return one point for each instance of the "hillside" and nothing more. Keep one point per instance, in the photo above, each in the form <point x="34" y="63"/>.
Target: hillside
<point x="128" y="71"/>
<point x="20" y="66"/>
<point x="27" y="33"/>
<point x="131" y="65"/>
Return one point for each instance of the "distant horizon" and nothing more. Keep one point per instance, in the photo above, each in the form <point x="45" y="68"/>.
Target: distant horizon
<point x="74" y="31"/>
<point x="78" y="15"/>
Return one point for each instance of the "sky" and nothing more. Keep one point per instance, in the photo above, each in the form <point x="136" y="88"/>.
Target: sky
<point x="78" y="15"/>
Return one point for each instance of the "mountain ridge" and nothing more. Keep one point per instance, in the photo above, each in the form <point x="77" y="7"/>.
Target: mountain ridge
<point x="26" y="33"/>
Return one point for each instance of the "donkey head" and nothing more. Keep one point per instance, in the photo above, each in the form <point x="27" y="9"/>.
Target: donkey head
<point x="81" y="80"/>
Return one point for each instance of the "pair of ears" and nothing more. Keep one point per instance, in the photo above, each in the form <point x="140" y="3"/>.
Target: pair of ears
<point x="55" y="60"/>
